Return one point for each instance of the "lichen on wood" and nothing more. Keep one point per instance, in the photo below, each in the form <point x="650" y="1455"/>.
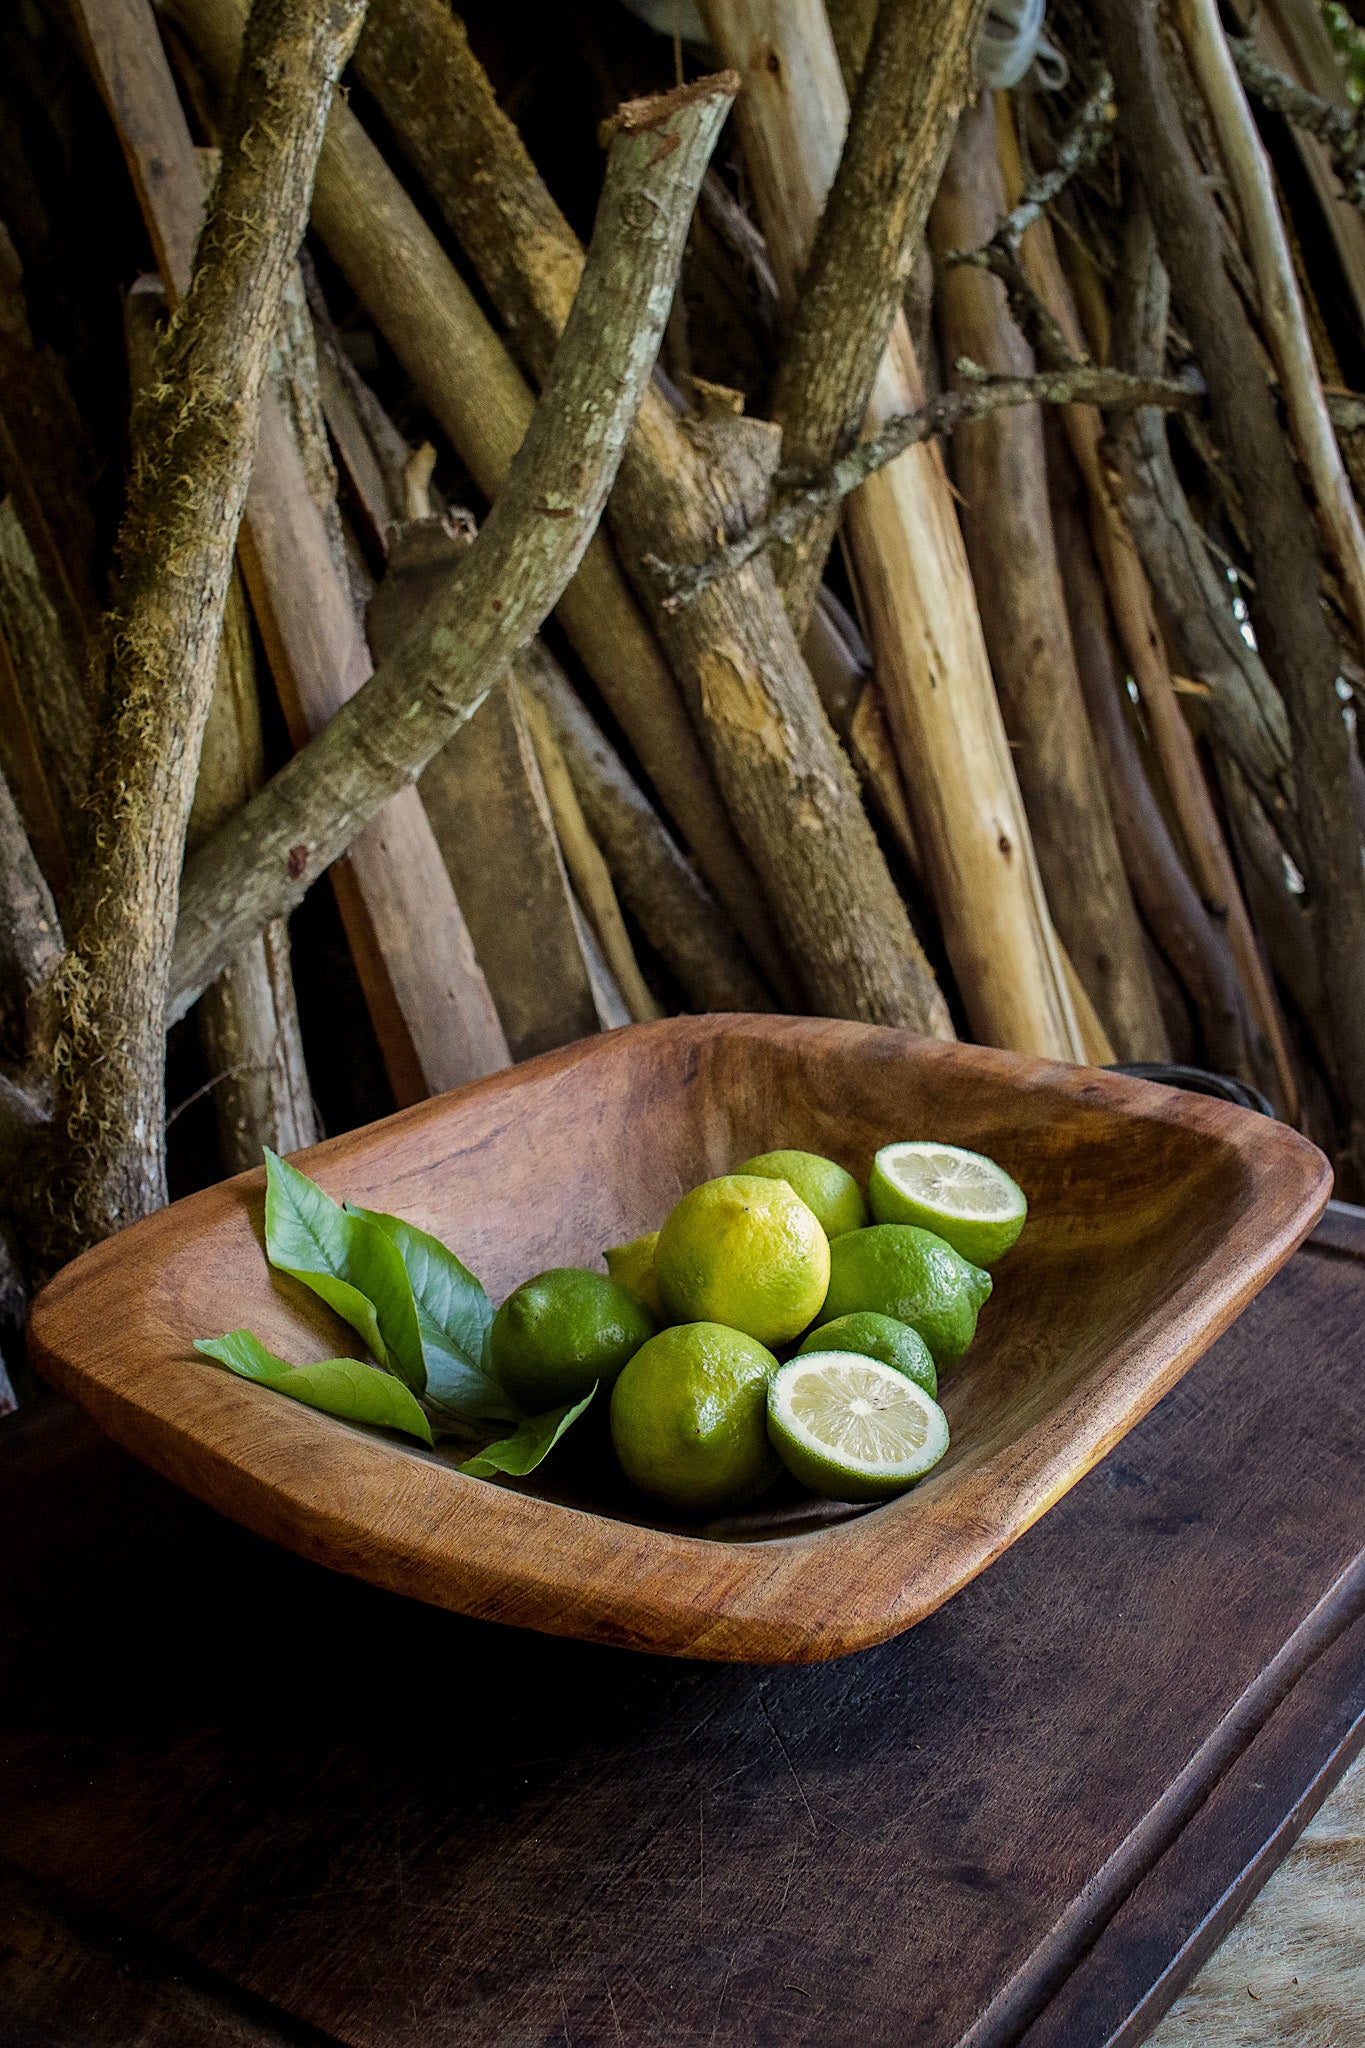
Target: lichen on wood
<point x="193" y="439"/>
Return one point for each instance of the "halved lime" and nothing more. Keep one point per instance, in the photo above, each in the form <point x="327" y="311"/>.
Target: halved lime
<point x="852" y="1428"/>
<point x="963" y="1197"/>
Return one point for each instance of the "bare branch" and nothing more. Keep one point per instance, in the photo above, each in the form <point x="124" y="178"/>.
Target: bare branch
<point x="1086" y="134"/>
<point x="194" y="436"/>
<point x="1340" y="129"/>
<point x="259" y="865"/>
<point x="1112" y="390"/>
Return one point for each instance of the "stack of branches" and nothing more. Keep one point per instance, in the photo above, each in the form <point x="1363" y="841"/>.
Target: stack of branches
<point x="970" y="644"/>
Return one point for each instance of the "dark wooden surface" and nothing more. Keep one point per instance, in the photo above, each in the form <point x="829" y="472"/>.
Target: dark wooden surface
<point x="243" y="1801"/>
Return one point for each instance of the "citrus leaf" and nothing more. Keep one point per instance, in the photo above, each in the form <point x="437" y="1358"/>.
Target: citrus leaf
<point x="453" y="1316"/>
<point x="348" y="1262"/>
<point x="346" y="1387"/>
<point x="521" y="1452"/>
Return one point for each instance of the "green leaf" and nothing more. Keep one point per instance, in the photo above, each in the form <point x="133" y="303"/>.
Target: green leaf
<point x="521" y="1452"/>
<point x="346" y="1260"/>
<point x="453" y="1315"/>
<point x="338" y="1386"/>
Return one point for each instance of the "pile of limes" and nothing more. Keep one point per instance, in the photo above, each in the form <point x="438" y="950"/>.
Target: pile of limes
<point x="780" y="1258"/>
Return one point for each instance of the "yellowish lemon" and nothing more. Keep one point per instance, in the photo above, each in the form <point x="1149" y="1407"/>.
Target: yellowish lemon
<point x="632" y="1265"/>
<point x="745" y="1252"/>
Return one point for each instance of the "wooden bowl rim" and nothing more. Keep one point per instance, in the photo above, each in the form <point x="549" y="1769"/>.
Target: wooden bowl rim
<point x="411" y="1522"/>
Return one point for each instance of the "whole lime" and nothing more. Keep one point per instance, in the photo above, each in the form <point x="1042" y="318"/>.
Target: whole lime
<point x="689" y="1417"/>
<point x="899" y="1270"/>
<point x="632" y="1265"/>
<point x="746" y="1252"/>
<point x="828" y="1190"/>
<point x="559" y="1332"/>
<point x="880" y="1337"/>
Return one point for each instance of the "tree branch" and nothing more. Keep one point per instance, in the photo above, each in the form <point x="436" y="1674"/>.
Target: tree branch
<point x="194" y="437"/>
<point x="1112" y="390"/>
<point x="1340" y="129"/>
<point x="915" y="80"/>
<point x="789" y="792"/>
<point x="1091" y="127"/>
<point x="459" y="364"/>
<point x="260" y="864"/>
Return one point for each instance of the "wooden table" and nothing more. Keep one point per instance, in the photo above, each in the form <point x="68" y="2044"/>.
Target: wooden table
<point x="244" y="1802"/>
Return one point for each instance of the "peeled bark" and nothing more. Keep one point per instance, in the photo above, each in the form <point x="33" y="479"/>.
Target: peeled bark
<point x="1281" y="307"/>
<point x="1001" y="474"/>
<point x="1176" y="919"/>
<point x="1264" y="1056"/>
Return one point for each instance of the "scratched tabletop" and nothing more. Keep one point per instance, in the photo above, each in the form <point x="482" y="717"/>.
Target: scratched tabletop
<point x="244" y="1802"/>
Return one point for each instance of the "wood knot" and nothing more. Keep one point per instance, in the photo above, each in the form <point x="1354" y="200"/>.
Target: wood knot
<point x="297" y="863"/>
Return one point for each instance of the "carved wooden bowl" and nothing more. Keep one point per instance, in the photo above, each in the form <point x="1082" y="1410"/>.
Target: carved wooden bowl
<point x="1154" y="1217"/>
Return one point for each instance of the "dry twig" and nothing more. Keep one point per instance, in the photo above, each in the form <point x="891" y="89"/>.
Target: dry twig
<point x="1085" y="136"/>
<point x="1110" y="390"/>
<point x="1342" y="129"/>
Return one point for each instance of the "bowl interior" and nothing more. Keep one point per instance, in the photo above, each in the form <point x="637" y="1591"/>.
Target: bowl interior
<point x="560" y="1160"/>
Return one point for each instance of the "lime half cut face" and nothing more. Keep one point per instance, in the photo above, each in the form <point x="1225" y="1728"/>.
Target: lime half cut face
<point x="851" y="1428"/>
<point x="962" y="1196"/>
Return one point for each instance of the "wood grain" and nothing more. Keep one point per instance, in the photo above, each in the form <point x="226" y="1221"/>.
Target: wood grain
<point x="349" y="1813"/>
<point x="1000" y="471"/>
<point x="488" y="809"/>
<point x="1155" y="1217"/>
<point x="912" y="575"/>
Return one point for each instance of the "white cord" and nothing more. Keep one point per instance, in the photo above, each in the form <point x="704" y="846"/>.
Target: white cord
<point x="1012" y="44"/>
